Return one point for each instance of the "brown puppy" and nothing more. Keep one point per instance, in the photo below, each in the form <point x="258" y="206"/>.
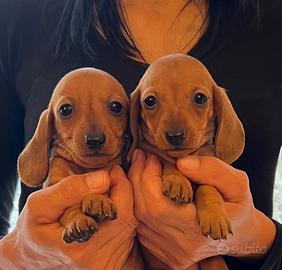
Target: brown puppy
<point x="83" y="129"/>
<point x="178" y="110"/>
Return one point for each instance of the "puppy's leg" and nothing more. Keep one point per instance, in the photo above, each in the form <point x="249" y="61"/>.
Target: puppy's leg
<point x="100" y="207"/>
<point x="175" y="185"/>
<point x="210" y="207"/>
<point x="211" y="213"/>
<point x="78" y="226"/>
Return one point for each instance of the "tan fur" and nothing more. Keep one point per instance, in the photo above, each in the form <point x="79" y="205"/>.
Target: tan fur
<point x="58" y="148"/>
<point x="36" y="153"/>
<point x="212" y="129"/>
<point x="230" y="137"/>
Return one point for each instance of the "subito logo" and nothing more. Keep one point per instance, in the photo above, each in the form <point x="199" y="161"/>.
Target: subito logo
<point x="222" y="249"/>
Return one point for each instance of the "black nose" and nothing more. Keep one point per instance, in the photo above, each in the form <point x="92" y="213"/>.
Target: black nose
<point x="176" y="137"/>
<point x="95" y="141"/>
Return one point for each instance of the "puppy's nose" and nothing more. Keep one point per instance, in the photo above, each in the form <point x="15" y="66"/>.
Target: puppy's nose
<point x="95" y="141"/>
<point x="175" y="137"/>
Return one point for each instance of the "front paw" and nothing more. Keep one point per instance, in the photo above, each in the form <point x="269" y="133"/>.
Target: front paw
<point x="100" y="207"/>
<point x="215" y="223"/>
<point x="79" y="229"/>
<point x="177" y="188"/>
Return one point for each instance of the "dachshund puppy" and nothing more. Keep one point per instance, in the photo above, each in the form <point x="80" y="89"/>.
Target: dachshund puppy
<point x="83" y="129"/>
<point x="178" y="110"/>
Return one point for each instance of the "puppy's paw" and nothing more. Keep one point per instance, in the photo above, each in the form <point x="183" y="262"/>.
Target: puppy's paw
<point x="214" y="223"/>
<point x="79" y="229"/>
<point x="100" y="207"/>
<point x="177" y="188"/>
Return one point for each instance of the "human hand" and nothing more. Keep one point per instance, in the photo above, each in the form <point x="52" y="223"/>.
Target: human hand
<point x="171" y="232"/>
<point x="36" y="242"/>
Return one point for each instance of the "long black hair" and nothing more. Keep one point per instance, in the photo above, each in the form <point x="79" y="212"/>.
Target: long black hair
<point x="80" y="20"/>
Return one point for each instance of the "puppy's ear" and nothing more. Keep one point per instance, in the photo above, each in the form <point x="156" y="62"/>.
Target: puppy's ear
<point x="33" y="162"/>
<point x="230" y="137"/>
<point x="133" y="121"/>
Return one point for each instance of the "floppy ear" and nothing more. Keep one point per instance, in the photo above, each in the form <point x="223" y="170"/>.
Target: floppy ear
<point x="230" y="137"/>
<point x="33" y="162"/>
<point x="133" y="121"/>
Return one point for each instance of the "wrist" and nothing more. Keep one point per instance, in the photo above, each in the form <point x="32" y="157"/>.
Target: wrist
<point x="16" y="254"/>
<point x="256" y="237"/>
<point x="9" y="257"/>
<point x="266" y="232"/>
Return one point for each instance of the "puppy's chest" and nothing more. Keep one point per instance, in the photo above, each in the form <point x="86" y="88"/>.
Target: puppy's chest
<point x="207" y="149"/>
<point x="60" y="168"/>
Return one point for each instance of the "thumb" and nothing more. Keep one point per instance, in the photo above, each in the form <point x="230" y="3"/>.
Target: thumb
<point x="151" y="181"/>
<point x="232" y="183"/>
<point x="137" y="166"/>
<point x="50" y="203"/>
<point x="121" y="191"/>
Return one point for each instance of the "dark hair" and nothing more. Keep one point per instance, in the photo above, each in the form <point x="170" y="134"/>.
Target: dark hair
<point x="79" y="20"/>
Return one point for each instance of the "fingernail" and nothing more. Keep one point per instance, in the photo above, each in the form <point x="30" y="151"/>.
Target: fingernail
<point x="116" y="168"/>
<point x="148" y="159"/>
<point x="191" y="163"/>
<point x="96" y="180"/>
<point x="116" y="171"/>
<point x="135" y="155"/>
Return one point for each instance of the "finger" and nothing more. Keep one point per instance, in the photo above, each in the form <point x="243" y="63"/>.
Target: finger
<point x="50" y="203"/>
<point x="154" y="233"/>
<point x="162" y="237"/>
<point x="151" y="180"/>
<point x="119" y="256"/>
<point x="153" y="249"/>
<point x="158" y="206"/>
<point x="153" y="167"/>
<point x="121" y="193"/>
<point x="111" y="233"/>
<point x="231" y="183"/>
<point x="137" y="166"/>
<point x="141" y="170"/>
<point x="165" y="251"/>
<point x="135" y="174"/>
<point x="102" y="247"/>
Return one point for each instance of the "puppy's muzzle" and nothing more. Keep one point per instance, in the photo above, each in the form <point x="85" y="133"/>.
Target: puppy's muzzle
<point x="175" y="137"/>
<point x="95" y="142"/>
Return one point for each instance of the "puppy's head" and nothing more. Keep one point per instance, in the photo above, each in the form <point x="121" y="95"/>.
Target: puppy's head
<point x="178" y="108"/>
<point x="86" y="120"/>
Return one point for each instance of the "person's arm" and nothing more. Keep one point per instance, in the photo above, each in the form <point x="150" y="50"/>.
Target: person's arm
<point x="172" y="233"/>
<point x="271" y="261"/>
<point x="36" y="242"/>
<point x="259" y="243"/>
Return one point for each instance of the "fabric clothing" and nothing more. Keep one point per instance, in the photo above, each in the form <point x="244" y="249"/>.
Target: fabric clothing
<point x="248" y="65"/>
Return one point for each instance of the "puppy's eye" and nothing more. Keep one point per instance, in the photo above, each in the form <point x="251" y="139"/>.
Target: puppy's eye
<point x="200" y="98"/>
<point x="150" y="102"/>
<point x="116" y="107"/>
<point x="65" y="110"/>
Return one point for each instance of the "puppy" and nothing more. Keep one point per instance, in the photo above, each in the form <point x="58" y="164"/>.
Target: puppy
<point x="82" y="130"/>
<point x="178" y="110"/>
